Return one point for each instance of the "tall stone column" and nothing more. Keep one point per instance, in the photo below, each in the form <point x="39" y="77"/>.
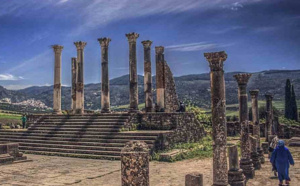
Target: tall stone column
<point x="57" y="79"/>
<point x="133" y="78"/>
<point x="147" y="76"/>
<point x="218" y="105"/>
<point x="160" y="72"/>
<point x="79" y="79"/>
<point x="73" y="90"/>
<point x="254" y="155"/>
<point x="245" y="162"/>
<point x="255" y="120"/>
<point x="105" y="97"/>
<point x="269" y="115"/>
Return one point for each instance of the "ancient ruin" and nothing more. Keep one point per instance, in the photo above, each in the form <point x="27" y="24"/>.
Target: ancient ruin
<point x="9" y="153"/>
<point x="254" y="155"/>
<point x="57" y="79"/>
<point x="147" y="76"/>
<point x="245" y="162"/>
<point x="235" y="174"/>
<point x="194" y="179"/>
<point x="74" y="73"/>
<point x="218" y="105"/>
<point x="269" y="115"/>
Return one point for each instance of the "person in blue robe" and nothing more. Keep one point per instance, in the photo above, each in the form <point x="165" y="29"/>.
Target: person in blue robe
<point x="282" y="158"/>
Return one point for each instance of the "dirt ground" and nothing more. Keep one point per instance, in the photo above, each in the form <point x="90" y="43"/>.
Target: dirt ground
<point x="46" y="170"/>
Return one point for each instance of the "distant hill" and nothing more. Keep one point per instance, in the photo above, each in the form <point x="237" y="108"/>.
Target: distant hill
<point x="193" y="88"/>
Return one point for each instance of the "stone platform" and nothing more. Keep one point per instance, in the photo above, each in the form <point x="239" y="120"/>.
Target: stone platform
<point x="9" y="153"/>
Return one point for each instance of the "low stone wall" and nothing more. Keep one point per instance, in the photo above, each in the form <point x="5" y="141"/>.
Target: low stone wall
<point x="178" y="127"/>
<point x="234" y="129"/>
<point x="288" y="132"/>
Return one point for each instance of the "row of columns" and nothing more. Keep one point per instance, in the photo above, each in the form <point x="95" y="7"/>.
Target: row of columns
<point x="77" y="91"/>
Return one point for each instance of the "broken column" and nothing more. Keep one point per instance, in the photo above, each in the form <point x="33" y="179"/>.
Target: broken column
<point x="133" y="78"/>
<point x="79" y="79"/>
<point x="235" y="174"/>
<point x="269" y="115"/>
<point x="105" y="98"/>
<point x="147" y="76"/>
<point x="218" y="105"/>
<point x="194" y="179"/>
<point x="245" y="162"/>
<point x="57" y="79"/>
<point x="160" y="84"/>
<point x="73" y="90"/>
<point x="255" y="121"/>
<point x="135" y="164"/>
<point x="254" y="155"/>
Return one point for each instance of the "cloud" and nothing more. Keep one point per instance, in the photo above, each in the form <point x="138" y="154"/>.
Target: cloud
<point x="38" y="37"/>
<point x="196" y="46"/>
<point x="226" y="30"/>
<point x="62" y="1"/>
<point x="10" y="77"/>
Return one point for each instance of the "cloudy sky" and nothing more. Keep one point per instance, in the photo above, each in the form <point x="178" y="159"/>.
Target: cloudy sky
<point x="256" y="34"/>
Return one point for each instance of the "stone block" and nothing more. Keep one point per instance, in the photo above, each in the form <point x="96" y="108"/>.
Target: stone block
<point x="265" y="147"/>
<point x="194" y="179"/>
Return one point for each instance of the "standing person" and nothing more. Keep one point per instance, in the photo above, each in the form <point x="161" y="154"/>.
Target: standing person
<point x="24" y="119"/>
<point x="282" y="158"/>
<point x="272" y="147"/>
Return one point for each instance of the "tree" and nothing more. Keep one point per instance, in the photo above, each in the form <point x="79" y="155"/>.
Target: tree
<point x="294" y="106"/>
<point x="288" y="94"/>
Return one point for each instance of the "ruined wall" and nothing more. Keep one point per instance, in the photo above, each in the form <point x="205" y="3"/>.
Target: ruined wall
<point x="171" y="98"/>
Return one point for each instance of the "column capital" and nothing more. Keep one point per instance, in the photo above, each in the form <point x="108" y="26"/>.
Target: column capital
<point x="132" y="37"/>
<point x="147" y="43"/>
<point x="242" y="79"/>
<point x="57" y="48"/>
<point x="216" y="60"/>
<point x="254" y="93"/>
<point x="80" y="45"/>
<point x="159" y="49"/>
<point x="104" y="41"/>
<point x="269" y="96"/>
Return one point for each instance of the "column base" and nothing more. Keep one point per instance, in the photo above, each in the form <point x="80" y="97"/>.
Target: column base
<point x="148" y="109"/>
<point x="79" y="111"/>
<point x="133" y="110"/>
<point x="256" y="160"/>
<point x="247" y="166"/>
<point x="261" y="156"/>
<point x="236" y="178"/>
<point x="57" y="112"/>
<point x="105" y="111"/>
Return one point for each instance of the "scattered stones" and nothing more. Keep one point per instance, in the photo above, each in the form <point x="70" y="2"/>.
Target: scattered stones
<point x="194" y="179"/>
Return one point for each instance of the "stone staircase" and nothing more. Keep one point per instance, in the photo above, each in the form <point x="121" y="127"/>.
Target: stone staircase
<point x="99" y="136"/>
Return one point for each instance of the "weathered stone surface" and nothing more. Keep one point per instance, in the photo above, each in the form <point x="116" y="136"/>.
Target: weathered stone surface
<point x="194" y="179"/>
<point x="133" y="86"/>
<point x="79" y="78"/>
<point x="233" y="128"/>
<point x="9" y="152"/>
<point x="245" y="162"/>
<point x="105" y="97"/>
<point x="57" y="79"/>
<point x="74" y="71"/>
<point x="294" y="142"/>
<point x="171" y="98"/>
<point x="235" y="174"/>
<point x="265" y="147"/>
<point x="269" y="115"/>
<point x="135" y="164"/>
<point x="160" y="72"/>
<point x="254" y="154"/>
<point x="147" y="76"/>
<point x="218" y="105"/>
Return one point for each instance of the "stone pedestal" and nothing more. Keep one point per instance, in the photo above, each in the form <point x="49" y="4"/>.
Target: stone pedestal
<point x="79" y="79"/>
<point x="135" y="164"/>
<point x="261" y="156"/>
<point x="235" y="174"/>
<point x="218" y="101"/>
<point x="147" y="76"/>
<point x="133" y="78"/>
<point x="160" y="79"/>
<point x="57" y="79"/>
<point x="265" y="147"/>
<point x="105" y="97"/>
<point x="269" y="115"/>
<point x="194" y="179"/>
<point x="246" y="162"/>
<point x="73" y="90"/>
<point x="254" y="155"/>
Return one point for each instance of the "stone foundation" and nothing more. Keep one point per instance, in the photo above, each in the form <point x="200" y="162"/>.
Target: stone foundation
<point x="9" y="152"/>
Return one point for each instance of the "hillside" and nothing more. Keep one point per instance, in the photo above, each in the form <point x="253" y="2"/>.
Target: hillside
<point x="190" y="88"/>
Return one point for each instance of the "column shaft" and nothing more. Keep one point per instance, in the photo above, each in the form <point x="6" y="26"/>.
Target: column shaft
<point x="57" y="79"/>
<point x="269" y="115"/>
<point x="73" y="90"/>
<point x="160" y="79"/>
<point x="218" y="104"/>
<point x="147" y="76"/>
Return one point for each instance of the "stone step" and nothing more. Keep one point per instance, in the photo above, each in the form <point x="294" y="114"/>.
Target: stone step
<point x="76" y="151"/>
<point x="83" y="136"/>
<point x="88" y="115"/>
<point x="89" y="156"/>
<point x="75" y="126"/>
<point x="76" y="123"/>
<point x="99" y="148"/>
<point x="80" y="120"/>
<point x="76" y="129"/>
<point x="11" y="138"/>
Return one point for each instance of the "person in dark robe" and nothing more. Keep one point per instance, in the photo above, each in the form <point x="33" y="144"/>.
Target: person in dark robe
<point x="282" y="158"/>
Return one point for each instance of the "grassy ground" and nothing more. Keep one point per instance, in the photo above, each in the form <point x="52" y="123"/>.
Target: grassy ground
<point x="6" y="118"/>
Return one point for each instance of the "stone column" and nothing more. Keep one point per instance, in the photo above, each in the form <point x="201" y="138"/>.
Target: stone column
<point x="57" y="79"/>
<point x="135" y="164"/>
<point x="235" y="174"/>
<point x="245" y="162"/>
<point x="194" y="179"/>
<point x="147" y="76"/>
<point x="105" y="97"/>
<point x="79" y="79"/>
<point x="254" y="155"/>
<point x="218" y="105"/>
<point x="160" y="72"/>
<point x="269" y="115"/>
<point x="255" y="120"/>
<point x="73" y="90"/>
<point x="133" y="78"/>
